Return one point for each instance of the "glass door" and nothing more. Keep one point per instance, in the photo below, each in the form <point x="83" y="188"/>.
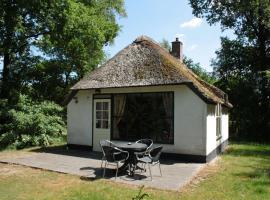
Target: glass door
<point x="102" y="122"/>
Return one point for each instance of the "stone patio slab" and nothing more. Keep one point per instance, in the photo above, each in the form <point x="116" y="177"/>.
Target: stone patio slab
<point x="87" y="165"/>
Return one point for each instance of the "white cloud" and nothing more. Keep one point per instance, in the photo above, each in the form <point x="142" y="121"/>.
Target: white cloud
<point x="193" y="23"/>
<point x="192" y="47"/>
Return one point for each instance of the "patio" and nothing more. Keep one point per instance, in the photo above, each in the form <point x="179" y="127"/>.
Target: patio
<point x="87" y="165"/>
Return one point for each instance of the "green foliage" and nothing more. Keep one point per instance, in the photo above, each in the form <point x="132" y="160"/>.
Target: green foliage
<point x="165" y="44"/>
<point x="242" y="64"/>
<point x="48" y="45"/>
<point x="199" y="71"/>
<point x="30" y="123"/>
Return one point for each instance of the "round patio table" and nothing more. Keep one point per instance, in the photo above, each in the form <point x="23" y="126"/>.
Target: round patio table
<point x="131" y="148"/>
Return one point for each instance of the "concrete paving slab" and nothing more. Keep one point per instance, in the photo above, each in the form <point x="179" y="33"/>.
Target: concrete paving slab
<point x="87" y="165"/>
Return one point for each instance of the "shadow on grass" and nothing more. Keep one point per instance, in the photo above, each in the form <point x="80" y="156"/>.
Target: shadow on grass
<point x="257" y="151"/>
<point x="255" y="160"/>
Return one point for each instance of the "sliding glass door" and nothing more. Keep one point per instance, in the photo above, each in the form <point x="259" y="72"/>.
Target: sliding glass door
<point x="143" y="115"/>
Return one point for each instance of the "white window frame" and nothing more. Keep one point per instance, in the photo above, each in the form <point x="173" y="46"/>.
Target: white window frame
<point x="218" y="113"/>
<point x="102" y="118"/>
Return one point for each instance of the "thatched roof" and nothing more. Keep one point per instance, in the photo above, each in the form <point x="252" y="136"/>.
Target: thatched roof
<point x="145" y="63"/>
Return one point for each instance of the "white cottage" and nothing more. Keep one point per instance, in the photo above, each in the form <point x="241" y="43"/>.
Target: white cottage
<point x="146" y="92"/>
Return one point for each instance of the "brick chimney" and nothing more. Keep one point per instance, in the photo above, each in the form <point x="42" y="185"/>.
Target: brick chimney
<point x="177" y="49"/>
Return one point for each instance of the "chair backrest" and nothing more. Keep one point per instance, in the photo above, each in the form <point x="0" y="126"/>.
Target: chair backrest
<point x="155" y="153"/>
<point x="113" y="154"/>
<point x="106" y="143"/>
<point x="148" y="142"/>
<point x="108" y="152"/>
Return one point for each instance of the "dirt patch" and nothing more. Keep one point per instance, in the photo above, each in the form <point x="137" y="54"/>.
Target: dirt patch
<point x="205" y="172"/>
<point x="9" y="170"/>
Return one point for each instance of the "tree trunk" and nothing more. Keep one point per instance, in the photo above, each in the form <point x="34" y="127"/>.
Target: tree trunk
<point x="5" y="76"/>
<point x="9" y="23"/>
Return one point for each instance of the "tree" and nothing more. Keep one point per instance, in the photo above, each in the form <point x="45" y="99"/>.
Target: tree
<point x="165" y="44"/>
<point x="197" y="69"/>
<point x="243" y="64"/>
<point x="65" y="35"/>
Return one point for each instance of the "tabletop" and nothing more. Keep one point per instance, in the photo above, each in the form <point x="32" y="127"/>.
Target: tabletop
<point x="130" y="146"/>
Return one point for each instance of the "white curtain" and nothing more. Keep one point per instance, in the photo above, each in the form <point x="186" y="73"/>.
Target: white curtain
<point x="168" y="107"/>
<point x="119" y="108"/>
<point x="167" y="102"/>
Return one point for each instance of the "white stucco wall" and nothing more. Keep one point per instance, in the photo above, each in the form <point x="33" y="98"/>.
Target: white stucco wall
<point x="79" y="119"/>
<point x="189" y="118"/>
<point x="194" y="125"/>
<point x="212" y="142"/>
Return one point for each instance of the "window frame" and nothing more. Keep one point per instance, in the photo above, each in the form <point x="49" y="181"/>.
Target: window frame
<point x="102" y="119"/>
<point x="141" y="93"/>
<point x="218" y="115"/>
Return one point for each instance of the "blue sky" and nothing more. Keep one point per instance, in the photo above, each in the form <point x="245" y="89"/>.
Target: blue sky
<point x="167" y="19"/>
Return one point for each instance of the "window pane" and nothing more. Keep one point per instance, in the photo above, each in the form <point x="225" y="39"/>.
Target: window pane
<point x="98" y="114"/>
<point x="105" y="115"/>
<point x="98" y="105"/>
<point x="105" y="106"/>
<point x="105" y="124"/>
<point x="143" y="115"/>
<point x="98" y="123"/>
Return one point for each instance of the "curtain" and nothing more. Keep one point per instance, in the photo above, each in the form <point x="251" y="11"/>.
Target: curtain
<point x="119" y="108"/>
<point x="167" y="103"/>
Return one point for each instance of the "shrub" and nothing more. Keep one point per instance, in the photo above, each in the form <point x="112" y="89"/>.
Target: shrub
<point x="30" y="123"/>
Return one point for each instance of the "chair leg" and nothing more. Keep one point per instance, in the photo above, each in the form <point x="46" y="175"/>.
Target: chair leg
<point x="144" y="167"/>
<point x="102" y="162"/>
<point x="104" y="169"/>
<point x="141" y="169"/>
<point x="159" y="168"/>
<point x="150" y="171"/>
<point x="116" y="170"/>
<point x="129" y="169"/>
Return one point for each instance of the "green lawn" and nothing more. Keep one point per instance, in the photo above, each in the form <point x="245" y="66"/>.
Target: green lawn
<point x="241" y="173"/>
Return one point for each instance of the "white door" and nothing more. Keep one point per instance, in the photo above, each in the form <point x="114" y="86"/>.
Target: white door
<point x="102" y="122"/>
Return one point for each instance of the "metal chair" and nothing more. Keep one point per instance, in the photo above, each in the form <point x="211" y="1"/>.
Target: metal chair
<point x="149" y="144"/>
<point x="152" y="158"/>
<point x="104" y="143"/>
<point x="113" y="155"/>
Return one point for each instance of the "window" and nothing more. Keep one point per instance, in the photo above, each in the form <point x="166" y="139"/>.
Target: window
<point x="102" y="115"/>
<point x="218" y="120"/>
<point x="143" y="115"/>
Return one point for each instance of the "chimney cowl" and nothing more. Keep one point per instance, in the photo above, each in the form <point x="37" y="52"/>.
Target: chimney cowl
<point x="177" y="49"/>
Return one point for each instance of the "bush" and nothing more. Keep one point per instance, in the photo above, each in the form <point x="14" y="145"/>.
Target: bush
<point x="30" y="123"/>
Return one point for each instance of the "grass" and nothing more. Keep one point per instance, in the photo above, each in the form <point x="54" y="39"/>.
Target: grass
<point x="243" y="172"/>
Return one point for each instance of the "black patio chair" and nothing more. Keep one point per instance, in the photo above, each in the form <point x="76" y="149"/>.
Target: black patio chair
<point x="152" y="158"/>
<point x="113" y="155"/>
<point x="149" y="144"/>
<point x="104" y="143"/>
